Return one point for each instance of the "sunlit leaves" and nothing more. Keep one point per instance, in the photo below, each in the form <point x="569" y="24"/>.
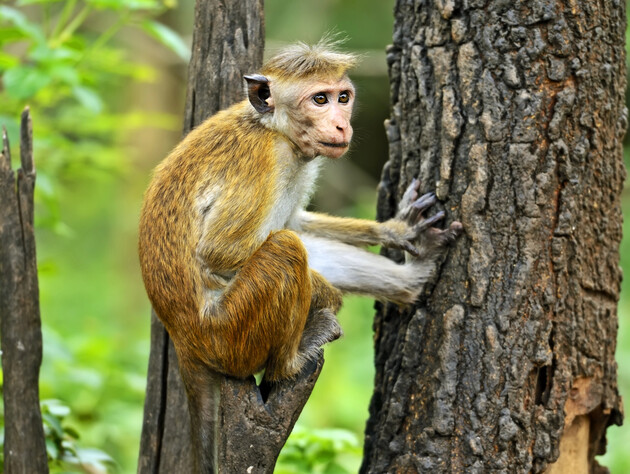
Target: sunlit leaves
<point x="69" y="62"/>
<point x="167" y="37"/>
<point x="118" y="5"/>
<point x="22" y="82"/>
<point x="319" y="451"/>
<point x="68" y="69"/>
<point x="22" y="24"/>
<point x="30" y="2"/>
<point x="61" y="442"/>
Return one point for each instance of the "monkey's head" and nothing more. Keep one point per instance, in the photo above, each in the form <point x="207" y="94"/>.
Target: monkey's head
<point x="304" y="92"/>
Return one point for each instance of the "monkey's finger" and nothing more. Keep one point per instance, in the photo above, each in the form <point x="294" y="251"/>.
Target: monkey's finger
<point x="426" y="223"/>
<point x="456" y="227"/>
<point x="412" y="249"/>
<point x="442" y="237"/>
<point x="412" y="188"/>
<point x="410" y="194"/>
<point x="420" y="205"/>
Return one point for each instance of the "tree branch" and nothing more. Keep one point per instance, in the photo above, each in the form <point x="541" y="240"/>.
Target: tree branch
<point x="24" y="445"/>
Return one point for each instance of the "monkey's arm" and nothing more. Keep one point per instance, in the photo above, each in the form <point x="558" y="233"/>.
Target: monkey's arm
<point x="355" y="270"/>
<point x="400" y="232"/>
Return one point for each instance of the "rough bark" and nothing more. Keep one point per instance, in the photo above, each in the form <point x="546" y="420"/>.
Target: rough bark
<point x="514" y="113"/>
<point x="249" y="432"/>
<point x="24" y="442"/>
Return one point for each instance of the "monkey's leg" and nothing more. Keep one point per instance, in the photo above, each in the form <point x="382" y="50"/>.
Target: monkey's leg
<point x="354" y="270"/>
<point x="258" y="321"/>
<point x="262" y="313"/>
<point x="322" y="325"/>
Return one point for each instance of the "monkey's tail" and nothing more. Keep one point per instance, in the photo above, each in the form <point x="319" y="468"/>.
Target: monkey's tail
<point x="203" y="392"/>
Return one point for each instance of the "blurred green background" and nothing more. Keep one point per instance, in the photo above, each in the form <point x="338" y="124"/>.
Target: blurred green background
<point x="105" y="80"/>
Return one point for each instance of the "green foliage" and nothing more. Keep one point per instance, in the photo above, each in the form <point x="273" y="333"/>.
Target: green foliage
<point x="64" y="452"/>
<point x="617" y="457"/>
<point x="69" y="62"/>
<point x="60" y="59"/>
<point x="320" y="451"/>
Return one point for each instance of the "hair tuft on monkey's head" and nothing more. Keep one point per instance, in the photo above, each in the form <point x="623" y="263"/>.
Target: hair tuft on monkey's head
<point x="301" y="60"/>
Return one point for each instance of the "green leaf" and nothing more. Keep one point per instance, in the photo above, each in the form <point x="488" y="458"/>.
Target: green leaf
<point x="11" y="34"/>
<point x="7" y="61"/>
<point x="44" y="54"/>
<point x="23" y="82"/>
<point x="52" y="449"/>
<point x="55" y="407"/>
<point x="167" y="37"/>
<point x="93" y="455"/>
<point x="88" y="98"/>
<point x="65" y="74"/>
<point x="18" y="19"/>
<point x="70" y="431"/>
<point x="54" y="424"/>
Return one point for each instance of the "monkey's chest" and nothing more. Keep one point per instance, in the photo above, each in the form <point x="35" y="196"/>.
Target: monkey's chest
<point x="287" y="202"/>
<point x="291" y="194"/>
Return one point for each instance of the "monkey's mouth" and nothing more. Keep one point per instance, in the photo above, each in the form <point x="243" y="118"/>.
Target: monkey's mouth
<point x="335" y="145"/>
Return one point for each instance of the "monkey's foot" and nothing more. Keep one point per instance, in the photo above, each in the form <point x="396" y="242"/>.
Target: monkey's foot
<point x="321" y="327"/>
<point x="326" y="320"/>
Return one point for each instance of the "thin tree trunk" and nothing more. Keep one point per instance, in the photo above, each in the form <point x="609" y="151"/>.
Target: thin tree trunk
<point x="24" y="442"/>
<point x="514" y="113"/>
<point x="248" y="433"/>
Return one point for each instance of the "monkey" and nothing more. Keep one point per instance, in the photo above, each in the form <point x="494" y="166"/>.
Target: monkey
<point x="245" y="279"/>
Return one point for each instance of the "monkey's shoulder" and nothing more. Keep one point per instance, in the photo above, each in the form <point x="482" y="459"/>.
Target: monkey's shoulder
<point x="234" y="130"/>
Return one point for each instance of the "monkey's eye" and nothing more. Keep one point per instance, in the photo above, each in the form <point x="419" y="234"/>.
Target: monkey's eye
<point x="320" y="98"/>
<point x="344" y="97"/>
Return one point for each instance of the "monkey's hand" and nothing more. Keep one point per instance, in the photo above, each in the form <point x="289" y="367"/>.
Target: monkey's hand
<point x="411" y="231"/>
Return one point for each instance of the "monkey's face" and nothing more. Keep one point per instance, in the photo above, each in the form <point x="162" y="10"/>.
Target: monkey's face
<point x="322" y="118"/>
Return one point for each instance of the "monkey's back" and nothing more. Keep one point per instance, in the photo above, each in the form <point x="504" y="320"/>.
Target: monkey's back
<point x="198" y="212"/>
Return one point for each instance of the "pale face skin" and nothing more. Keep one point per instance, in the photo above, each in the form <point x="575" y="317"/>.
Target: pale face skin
<point x="320" y="118"/>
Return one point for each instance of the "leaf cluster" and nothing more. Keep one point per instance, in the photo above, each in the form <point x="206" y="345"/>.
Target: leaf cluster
<point x="64" y="452"/>
<point x="65" y="60"/>
<point x="329" y="451"/>
<point x="71" y="62"/>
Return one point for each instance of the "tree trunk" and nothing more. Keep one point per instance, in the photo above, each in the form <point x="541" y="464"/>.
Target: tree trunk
<point x="249" y="427"/>
<point x="24" y="442"/>
<point x="514" y="113"/>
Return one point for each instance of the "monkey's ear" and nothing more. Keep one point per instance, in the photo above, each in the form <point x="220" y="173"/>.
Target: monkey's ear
<point x="258" y="92"/>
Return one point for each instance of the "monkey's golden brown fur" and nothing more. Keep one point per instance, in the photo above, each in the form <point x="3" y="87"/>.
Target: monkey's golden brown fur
<point x="300" y="61"/>
<point x="232" y="286"/>
<point x="264" y="309"/>
<point x="244" y="278"/>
